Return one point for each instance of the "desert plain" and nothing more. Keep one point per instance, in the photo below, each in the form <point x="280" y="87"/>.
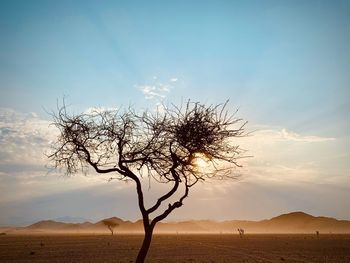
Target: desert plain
<point x="204" y="248"/>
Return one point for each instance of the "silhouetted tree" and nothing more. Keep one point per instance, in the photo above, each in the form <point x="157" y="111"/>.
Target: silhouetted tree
<point x="240" y="232"/>
<point x="169" y="147"/>
<point x="110" y="224"/>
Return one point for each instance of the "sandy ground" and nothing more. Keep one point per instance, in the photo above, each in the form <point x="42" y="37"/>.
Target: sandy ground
<point x="175" y="248"/>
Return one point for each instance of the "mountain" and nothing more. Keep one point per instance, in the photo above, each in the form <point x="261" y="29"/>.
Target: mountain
<point x="70" y="219"/>
<point x="295" y="222"/>
<point x="48" y="224"/>
<point x="295" y="216"/>
<point x="51" y="225"/>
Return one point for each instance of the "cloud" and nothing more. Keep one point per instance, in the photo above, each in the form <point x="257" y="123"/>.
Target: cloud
<point x="23" y="137"/>
<point x="157" y="90"/>
<point x="99" y="110"/>
<point x="285" y="135"/>
<point x="288" y="135"/>
<point x="24" y="140"/>
<point x="151" y="92"/>
<point x="280" y="156"/>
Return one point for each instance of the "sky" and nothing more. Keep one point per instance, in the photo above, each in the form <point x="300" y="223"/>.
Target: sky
<point x="284" y="64"/>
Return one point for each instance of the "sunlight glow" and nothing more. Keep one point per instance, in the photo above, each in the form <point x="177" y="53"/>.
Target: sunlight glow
<point x="201" y="161"/>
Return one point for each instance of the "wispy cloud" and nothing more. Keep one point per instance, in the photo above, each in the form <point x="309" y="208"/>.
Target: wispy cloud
<point x="286" y="135"/>
<point x="151" y="92"/>
<point x="157" y="89"/>
<point x="293" y="136"/>
<point x="23" y="137"/>
<point x="283" y="156"/>
<point x="24" y="140"/>
<point x="98" y="110"/>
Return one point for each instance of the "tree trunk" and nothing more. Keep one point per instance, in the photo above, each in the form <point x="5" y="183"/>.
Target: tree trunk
<point x="145" y="245"/>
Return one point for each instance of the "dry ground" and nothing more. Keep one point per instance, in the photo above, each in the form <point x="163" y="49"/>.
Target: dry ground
<point x="175" y="248"/>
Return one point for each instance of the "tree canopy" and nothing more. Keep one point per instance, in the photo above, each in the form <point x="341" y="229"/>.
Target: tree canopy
<point x="167" y="146"/>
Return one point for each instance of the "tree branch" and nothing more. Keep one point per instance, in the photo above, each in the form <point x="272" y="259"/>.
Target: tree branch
<point x="167" y="195"/>
<point x="176" y="183"/>
<point x="172" y="207"/>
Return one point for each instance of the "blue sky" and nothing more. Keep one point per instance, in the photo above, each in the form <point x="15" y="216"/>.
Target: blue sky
<point x="285" y="64"/>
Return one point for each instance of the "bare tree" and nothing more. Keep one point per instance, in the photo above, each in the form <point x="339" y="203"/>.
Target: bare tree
<point x="240" y="232"/>
<point x="169" y="147"/>
<point x="110" y="224"/>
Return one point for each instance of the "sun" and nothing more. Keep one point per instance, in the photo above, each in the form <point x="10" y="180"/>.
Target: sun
<point x="200" y="160"/>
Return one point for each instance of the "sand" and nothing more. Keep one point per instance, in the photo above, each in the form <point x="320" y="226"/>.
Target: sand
<point x="175" y="248"/>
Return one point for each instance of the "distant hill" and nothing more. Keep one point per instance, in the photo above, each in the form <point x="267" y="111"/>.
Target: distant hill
<point x="300" y="220"/>
<point x="70" y="219"/>
<point x="295" y="222"/>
